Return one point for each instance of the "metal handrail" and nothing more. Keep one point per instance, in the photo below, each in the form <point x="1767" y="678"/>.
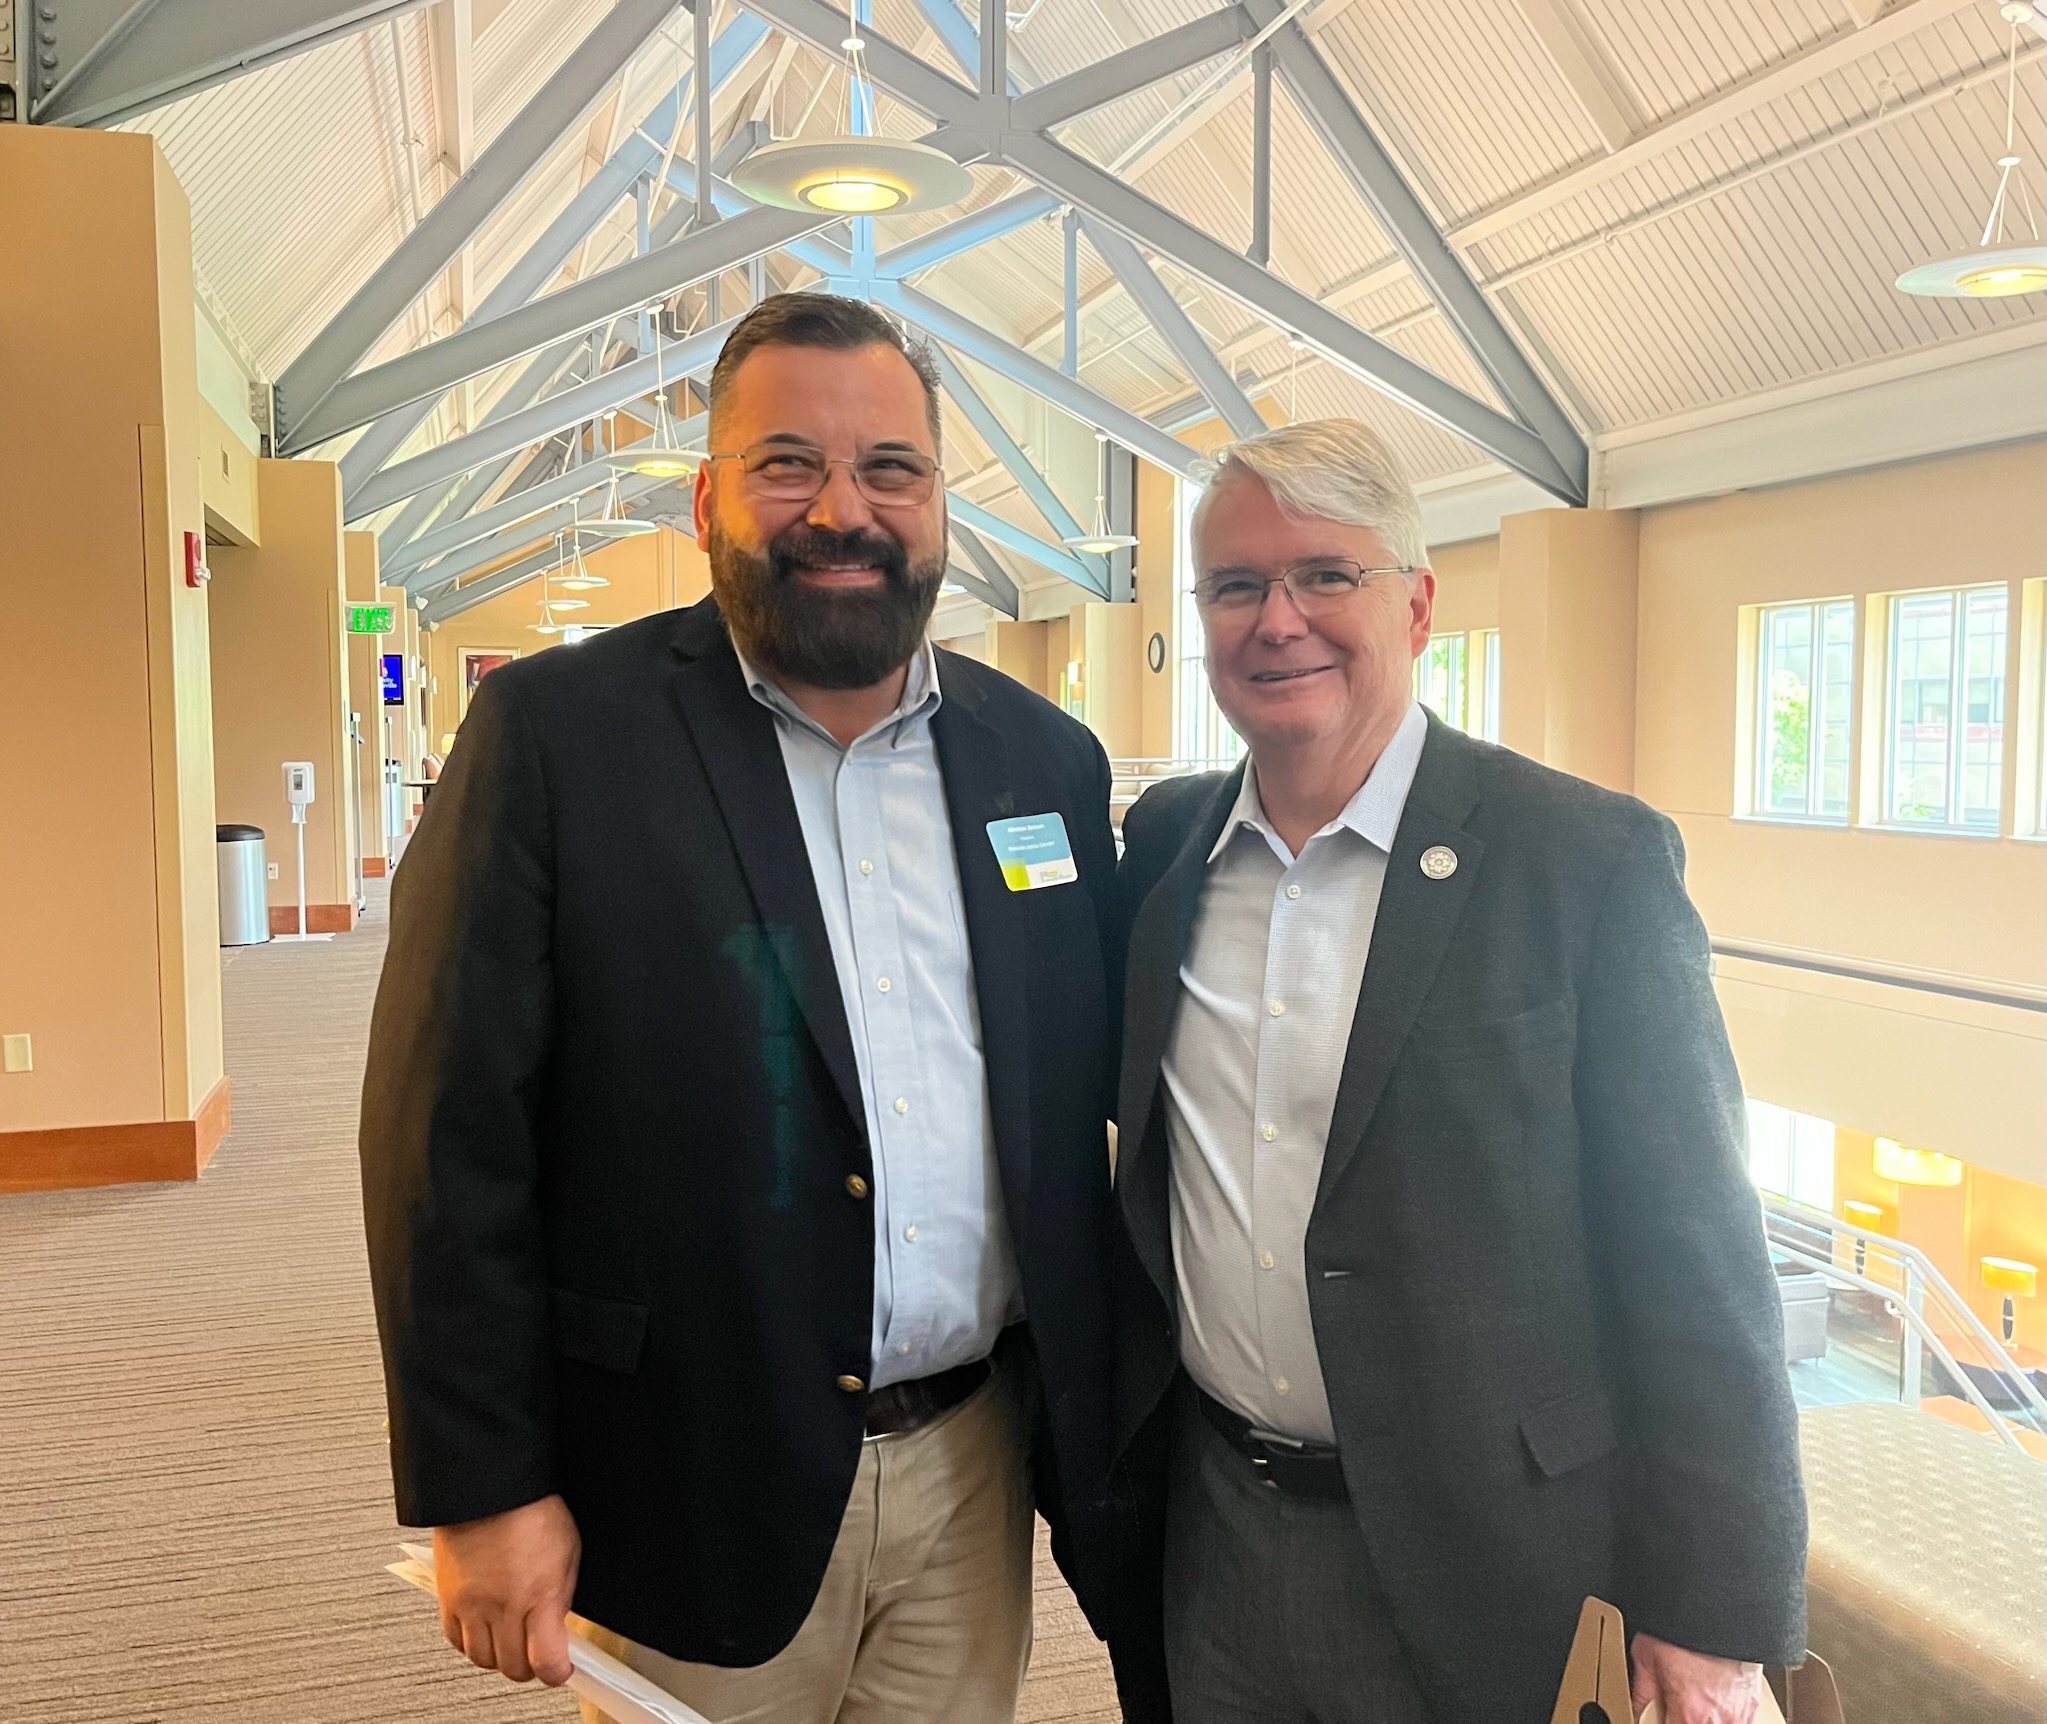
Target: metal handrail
<point x="1928" y="1337"/>
<point x="1919" y="1277"/>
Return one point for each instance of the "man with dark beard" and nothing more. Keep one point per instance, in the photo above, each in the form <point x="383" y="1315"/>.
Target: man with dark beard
<point x="732" y="1141"/>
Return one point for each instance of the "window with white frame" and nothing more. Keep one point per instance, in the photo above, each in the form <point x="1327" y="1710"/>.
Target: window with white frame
<point x="1944" y="709"/>
<point x="1457" y="678"/>
<point x="1486" y="682"/>
<point x="1200" y="732"/>
<point x="1791" y="1154"/>
<point x="1804" y="694"/>
<point x="1439" y="680"/>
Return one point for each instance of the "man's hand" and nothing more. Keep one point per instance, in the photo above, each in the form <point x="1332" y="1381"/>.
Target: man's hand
<point x="1693" y="1687"/>
<point x="505" y="1584"/>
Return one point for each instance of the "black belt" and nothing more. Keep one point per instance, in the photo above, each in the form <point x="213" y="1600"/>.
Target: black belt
<point x="1300" y="1469"/>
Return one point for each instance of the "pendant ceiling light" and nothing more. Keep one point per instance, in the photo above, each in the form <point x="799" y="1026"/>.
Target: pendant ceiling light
<point x="611" y="524"/>
<point x="662" y="455"/>
<point x="854" y="172"/>
<point x="1101" y="541"/>
<point x="1996" y="268"/>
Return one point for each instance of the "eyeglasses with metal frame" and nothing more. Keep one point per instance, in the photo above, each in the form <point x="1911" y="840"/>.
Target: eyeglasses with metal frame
<point x="888" y="476"/>
<point x="1316" y="585"/>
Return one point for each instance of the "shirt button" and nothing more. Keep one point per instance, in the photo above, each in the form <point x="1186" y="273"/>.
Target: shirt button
<point x="881" y="982"/>
<point x="1277" y="1008"/>
<point x="910" y="1233"/>
<point x="866" y="867"/>
<point x="855" y="1185"/>
<point x="1268" y="1132"/>
<point x="851" y="1384"/>
<point x="1265" y="1260"/>
<point x="902" y="1105"/>
<point x="1293" y="891"/>
<point x="1282" y="1385"/>
<point x="902" y="1346"/>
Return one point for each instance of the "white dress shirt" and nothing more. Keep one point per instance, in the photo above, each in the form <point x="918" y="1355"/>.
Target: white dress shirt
<point x="880" y="843"/>
<point x="1268" y="989"/>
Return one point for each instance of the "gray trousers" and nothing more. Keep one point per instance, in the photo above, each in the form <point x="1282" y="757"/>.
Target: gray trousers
<point x="1273" y="1613"/>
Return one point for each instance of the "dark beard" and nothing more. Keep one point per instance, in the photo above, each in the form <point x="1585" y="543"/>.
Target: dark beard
<point x="819" y="638"/>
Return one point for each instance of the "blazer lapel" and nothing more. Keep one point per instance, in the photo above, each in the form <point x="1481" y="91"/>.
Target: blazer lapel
<point x="1159" y="933"/>
<point x="1418" y="913"/>
<point x="735" y="739"/>
<point x="1158" y="942"/>
<point x="973" y="763"/>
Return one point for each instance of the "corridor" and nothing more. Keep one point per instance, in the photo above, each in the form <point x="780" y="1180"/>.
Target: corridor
<point x="194" y="1505"/>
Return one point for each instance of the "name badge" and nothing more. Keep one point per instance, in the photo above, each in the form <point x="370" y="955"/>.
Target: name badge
<point x="1033" y="851"/>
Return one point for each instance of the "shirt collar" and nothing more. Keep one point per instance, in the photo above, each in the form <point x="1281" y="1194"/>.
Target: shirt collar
<point x="1373" y="812"/>
<point x="921" y="695"/>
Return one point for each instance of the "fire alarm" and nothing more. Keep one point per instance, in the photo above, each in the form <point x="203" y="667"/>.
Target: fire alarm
<point x="197" y="574"/>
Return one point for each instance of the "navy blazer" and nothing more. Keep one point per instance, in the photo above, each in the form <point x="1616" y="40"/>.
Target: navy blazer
<point x="611" y="1111"/>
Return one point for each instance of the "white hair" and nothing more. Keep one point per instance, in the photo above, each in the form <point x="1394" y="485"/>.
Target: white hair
<point x="1331" y="470"/>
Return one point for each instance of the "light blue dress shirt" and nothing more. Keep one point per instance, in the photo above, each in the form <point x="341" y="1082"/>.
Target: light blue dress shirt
<point x="1268" y="989"/>
<point x="880" y="842"/>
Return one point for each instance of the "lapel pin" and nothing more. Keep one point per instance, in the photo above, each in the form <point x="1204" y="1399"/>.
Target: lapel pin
<point x="1439" y="861"/>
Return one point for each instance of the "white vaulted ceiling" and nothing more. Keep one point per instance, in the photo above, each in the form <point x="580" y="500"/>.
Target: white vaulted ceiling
<point x="1675" y="208"/>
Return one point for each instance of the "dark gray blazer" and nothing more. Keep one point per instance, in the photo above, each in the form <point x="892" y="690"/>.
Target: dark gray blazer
<point x="1540" y="1291"/>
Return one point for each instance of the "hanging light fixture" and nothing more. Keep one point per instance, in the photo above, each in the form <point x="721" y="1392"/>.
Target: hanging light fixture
<point x="1995" y="269"/>
<point x="662" y="456"/>
<point x="854" y="172"/>
<point x="1101" y="541"/>
<point x="611" y="524"/>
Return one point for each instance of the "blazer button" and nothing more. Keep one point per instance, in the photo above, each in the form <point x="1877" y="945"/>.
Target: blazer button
<point x="855" y="1185"/>
<point x="852" y="1385"/>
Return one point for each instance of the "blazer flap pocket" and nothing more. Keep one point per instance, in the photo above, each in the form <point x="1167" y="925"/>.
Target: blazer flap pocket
<point x="607" y="1333"/>
<point x="1568" y="1433"/>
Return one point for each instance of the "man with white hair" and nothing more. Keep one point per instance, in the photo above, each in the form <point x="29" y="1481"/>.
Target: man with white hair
<point x="1444" y="1302"/>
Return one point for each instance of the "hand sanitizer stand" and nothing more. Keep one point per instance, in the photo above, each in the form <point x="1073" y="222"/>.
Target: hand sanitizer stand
<point x="298" y="792"/>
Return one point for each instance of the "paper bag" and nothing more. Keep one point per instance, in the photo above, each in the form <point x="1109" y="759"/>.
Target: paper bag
<point x="1595" y="1685"/>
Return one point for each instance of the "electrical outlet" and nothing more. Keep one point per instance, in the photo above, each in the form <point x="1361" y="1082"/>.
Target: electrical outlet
<point x="16" y="1054"/>
<point x="271" y="870"/>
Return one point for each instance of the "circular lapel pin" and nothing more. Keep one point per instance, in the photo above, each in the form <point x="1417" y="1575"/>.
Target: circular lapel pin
<point x="1439" y="861"/>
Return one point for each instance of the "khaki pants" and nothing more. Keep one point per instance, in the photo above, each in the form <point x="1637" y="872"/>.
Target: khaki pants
<point x="924" y="1616"/>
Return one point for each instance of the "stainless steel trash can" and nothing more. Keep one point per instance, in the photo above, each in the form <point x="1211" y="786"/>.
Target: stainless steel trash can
<point x="244" y="897"/>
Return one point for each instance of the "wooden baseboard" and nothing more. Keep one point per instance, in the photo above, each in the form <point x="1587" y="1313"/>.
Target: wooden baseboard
<point x="375" y="867"/>
<point x="87" y="1155"/>
<point x="320" y="918"/>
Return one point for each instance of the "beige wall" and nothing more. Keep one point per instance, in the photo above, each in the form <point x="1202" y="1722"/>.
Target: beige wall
<point x="108" y="913"/>
<point x="1467" y="586"/>
<point x="280" y="683"/>
<point x="1951" y="1075"/>
<point x="656" y="571"/>
<point x="227" y="474"/>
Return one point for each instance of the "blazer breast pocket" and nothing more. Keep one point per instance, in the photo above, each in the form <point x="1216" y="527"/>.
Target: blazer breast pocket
<point x="1553" y="1023"/>
<point x="596" y="1330"/>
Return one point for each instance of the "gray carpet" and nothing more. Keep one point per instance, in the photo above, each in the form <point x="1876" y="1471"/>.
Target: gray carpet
<point x="194" y="1502"/>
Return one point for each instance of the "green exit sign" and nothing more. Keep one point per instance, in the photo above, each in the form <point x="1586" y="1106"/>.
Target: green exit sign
<point x="369" y="619"/>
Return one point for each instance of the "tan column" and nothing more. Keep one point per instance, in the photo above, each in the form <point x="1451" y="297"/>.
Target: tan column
<point x="1021" y="650"/>
<point x="280" y="689"/>
<point x="109" y="925"/>
<point x="1567" y="640"/>
<point x="366" y="698"/>
<point x="1107" y="642"/>
<point x="1156" y="573"/>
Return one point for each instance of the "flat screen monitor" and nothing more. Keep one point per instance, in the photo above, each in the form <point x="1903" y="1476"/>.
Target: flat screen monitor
<point x="392" y="665"/>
